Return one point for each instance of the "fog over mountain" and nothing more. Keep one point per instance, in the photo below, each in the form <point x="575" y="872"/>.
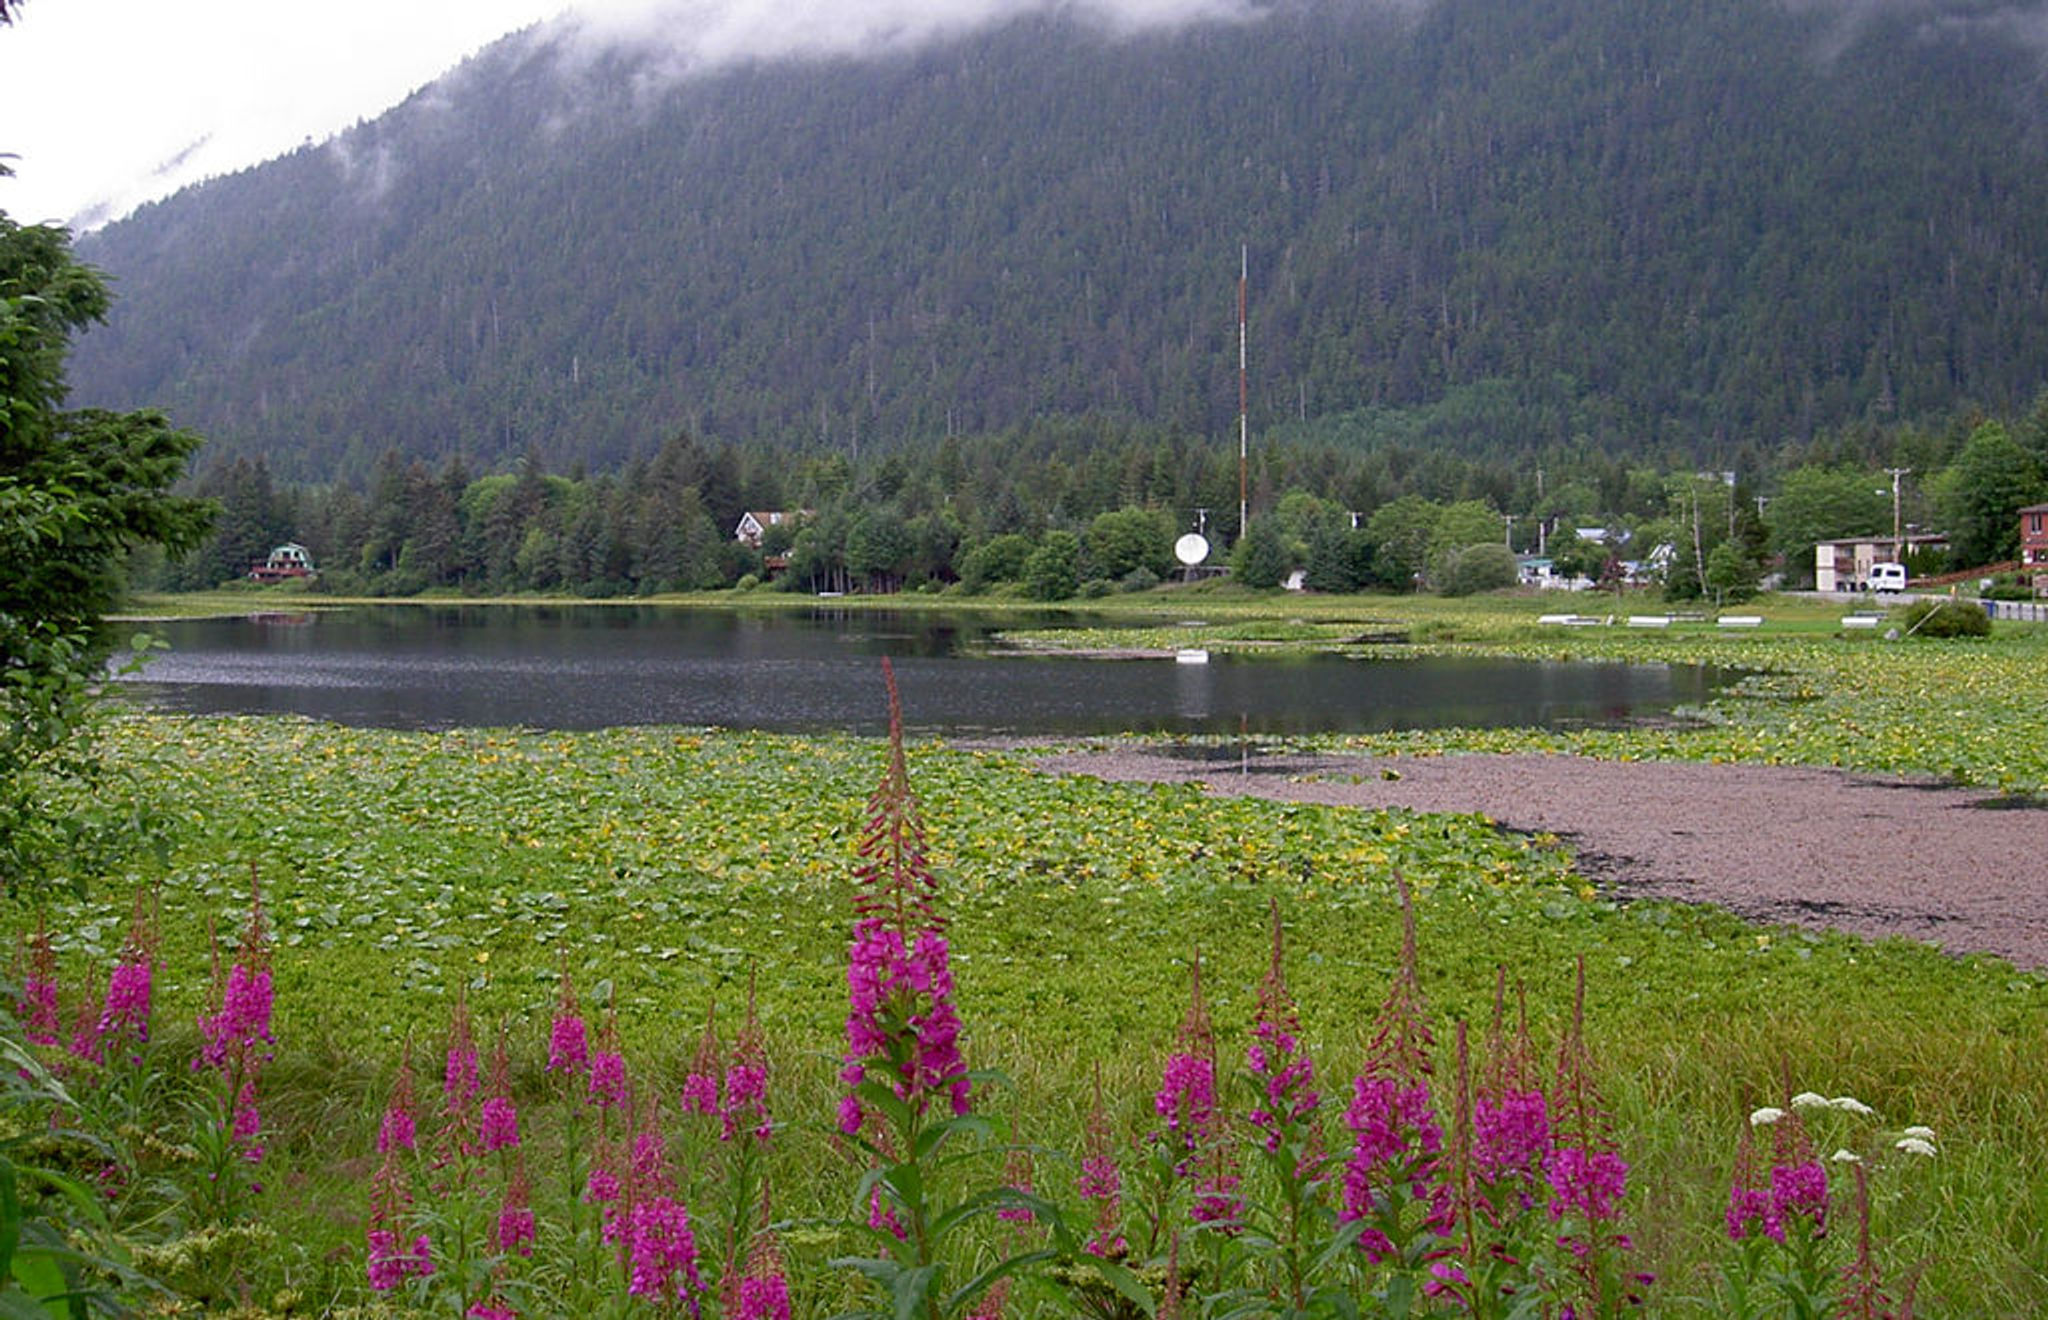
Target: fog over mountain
<point x="1491" y="223"/>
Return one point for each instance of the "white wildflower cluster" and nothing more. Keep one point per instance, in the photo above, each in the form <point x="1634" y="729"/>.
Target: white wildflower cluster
<point x="1914" y="1140"/>
<point x="1846" y="1104"/>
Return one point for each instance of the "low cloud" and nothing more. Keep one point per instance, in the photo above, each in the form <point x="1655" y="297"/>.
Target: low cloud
<point x="1849" y="21"/>
<point x="698" y="35"/>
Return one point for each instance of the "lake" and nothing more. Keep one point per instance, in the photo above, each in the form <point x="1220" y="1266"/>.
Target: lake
<point x="573" y="667"/>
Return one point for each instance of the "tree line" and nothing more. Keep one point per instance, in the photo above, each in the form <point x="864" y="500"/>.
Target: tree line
<point x="1084" y="506"/>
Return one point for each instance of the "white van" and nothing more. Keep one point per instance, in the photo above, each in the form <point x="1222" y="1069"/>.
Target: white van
<point x="1887" y="577"/>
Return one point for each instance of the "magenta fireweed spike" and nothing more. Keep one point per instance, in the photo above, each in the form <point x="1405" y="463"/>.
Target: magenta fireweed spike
<point x="568" y="1038"/>
<point x="901" y="1026"/>
<point x="744" y="1109"/>
<point x="700" y="1084"/>
<point x="1100" y="1182"/>
<point x="1186" y="1099"/>
<point x="1279" y="1064"/>
<point x="498" y="1118"/>
<point x="125" y="1014"/>
<point x="40" y="1019"/>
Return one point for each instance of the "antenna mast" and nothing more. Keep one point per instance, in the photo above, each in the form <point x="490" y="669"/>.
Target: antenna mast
<point x="1243" y="394"/>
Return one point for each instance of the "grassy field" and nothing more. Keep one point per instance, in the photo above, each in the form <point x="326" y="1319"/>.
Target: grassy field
<point x="665" y="869"/>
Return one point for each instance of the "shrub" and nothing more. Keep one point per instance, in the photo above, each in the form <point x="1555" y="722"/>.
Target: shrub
<point x="1139" y="579"/>
<point x="1477" y="568"/>
<point x="1941" y="618"/>
<point x="1053" y="571"/>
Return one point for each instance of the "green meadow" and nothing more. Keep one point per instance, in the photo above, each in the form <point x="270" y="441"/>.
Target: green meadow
<point x="667" y="870"/>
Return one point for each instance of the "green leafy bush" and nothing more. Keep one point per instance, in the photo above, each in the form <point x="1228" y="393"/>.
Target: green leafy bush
<point x="1942" y="618"/>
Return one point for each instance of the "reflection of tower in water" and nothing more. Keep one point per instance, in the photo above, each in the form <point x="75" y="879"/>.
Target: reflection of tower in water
<point x="1193" y="686"/>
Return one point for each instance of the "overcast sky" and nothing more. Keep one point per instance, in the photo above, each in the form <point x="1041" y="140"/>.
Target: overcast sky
<point x="110" y="103"/>
<point x="119" y="101"/>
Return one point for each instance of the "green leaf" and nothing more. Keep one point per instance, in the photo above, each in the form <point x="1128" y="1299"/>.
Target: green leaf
<point x="10" y="1218"/>
<point x="911" y="1289"/>
<point x="981" y="1282"/>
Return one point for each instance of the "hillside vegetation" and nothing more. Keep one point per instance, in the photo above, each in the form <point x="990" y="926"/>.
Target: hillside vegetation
<point x="1499" y="224"/>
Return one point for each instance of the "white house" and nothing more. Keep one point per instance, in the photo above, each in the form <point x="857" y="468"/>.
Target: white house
<point x="754" y="523"/>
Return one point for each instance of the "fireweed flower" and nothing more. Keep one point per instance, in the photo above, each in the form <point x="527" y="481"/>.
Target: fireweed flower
<point x="1186" y="1099"/>
<point x="1279" y="1066"/>
<point x="38" y="979"/>
<point x="85" y="1027"/>
<point x="459" y="1077"/>
<point x="764" y="1299"/>
<point x="647" y="1169"/>
<point x="602" y="1187"/>
<point x="390" y="1263"/>
<point x="1588" y="1177"/>
<point x="608" y="1088"/>
<point x="568" y="1039"/>
<point x="515" y="1230"/>
<point x="882" y="1216"/>
<point x="764" y="1292"/>
<point x="1218" y="1199"/>
<point x="243" y="1019"/>
<point x="498" y="1124"/>
<point x="1017" y="1177"/>
<point x="1396" y="1139"/>
<point x="901" y="1024"/>
<point x="1100" y="1181"/>
<point x="700" y="1084"/>
<point x="1511" y="1134"/>
<point x="745" y="1107"/>
<point x="397" y="1131"/>
<point x="1798" y="1182"/>
<point x="498" y="1119"/>
<point x="1800" y="1191"/>
<point x="1750" y="1211"/>
<point x="661" y="1253"/>
<point x="126" y="1011"/>
<point x="247" y="1125"/>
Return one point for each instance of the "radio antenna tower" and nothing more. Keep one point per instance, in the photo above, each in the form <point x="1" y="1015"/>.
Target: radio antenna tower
<point x="1243" y="395"/>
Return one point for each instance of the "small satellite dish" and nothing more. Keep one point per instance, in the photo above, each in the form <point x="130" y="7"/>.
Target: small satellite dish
<point x="1191" y="549"/>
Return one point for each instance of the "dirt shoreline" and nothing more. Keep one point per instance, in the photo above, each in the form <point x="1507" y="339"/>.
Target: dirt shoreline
<point x="1959" y="868"/>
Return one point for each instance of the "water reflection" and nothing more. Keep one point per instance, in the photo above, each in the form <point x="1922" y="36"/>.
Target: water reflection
<point x="573" y="668"/>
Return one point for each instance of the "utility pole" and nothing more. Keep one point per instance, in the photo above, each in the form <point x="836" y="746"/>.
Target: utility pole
<point x="1244" y="268"/>
<point x="1510" y="518"/>
<point x="1898" y="528"/>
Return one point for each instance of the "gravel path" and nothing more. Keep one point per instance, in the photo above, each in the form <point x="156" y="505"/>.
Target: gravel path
<point x="1959" y="868"/>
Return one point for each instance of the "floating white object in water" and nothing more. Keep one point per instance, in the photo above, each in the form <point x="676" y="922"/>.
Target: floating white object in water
<point x="1191" y="655"/>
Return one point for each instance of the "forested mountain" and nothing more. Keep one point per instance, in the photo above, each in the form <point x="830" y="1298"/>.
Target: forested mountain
<point x="1501" y="224"/>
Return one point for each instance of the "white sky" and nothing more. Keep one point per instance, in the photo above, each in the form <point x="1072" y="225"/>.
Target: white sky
<point x="99" y="99"/>
<point x="107" y="104"/>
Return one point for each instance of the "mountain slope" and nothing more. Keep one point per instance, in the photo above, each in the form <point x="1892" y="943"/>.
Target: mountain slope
<point x="1739" y="221"/>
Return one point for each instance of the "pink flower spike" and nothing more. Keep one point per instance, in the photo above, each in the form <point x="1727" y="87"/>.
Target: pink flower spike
<point x="498" y="1124"/>
<point x="568" y="1039"/>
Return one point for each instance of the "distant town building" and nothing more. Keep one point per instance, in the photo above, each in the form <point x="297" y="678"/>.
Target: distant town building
<point x="1845" y="565"/>
<point x="288" y="561"/>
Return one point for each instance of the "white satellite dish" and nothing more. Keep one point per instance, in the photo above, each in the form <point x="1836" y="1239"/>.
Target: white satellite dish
<point x="1191" y="549"/>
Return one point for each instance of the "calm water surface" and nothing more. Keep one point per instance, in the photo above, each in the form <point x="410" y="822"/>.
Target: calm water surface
<point x="592" y="667"/>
